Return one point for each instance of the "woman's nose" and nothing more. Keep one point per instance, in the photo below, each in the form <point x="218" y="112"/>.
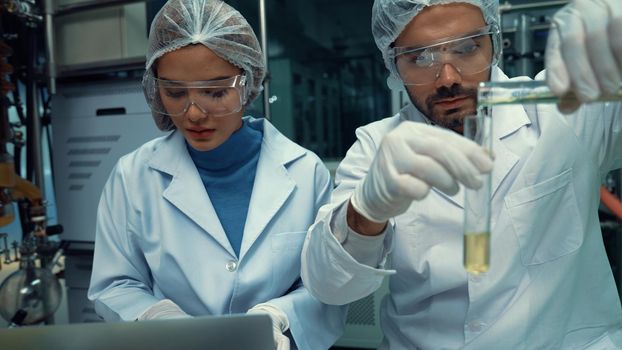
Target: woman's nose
<point x="194" y="113"/>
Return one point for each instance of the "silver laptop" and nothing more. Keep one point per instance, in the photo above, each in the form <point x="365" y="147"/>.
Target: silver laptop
<point x="234" y="332"/>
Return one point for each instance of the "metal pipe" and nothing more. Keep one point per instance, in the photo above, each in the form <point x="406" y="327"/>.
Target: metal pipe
<point x="90" y="5"/>
<point x="524" y="46"/>
<point x="49" y="45"/>
<point x="33" y="128"/>
<point x="264" y="45"/>
<point x="509" y="7"/>
<point x="5" y="127"/>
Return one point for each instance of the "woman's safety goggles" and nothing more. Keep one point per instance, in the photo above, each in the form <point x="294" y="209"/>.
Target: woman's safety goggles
<point x="470" y="54"/>
<point x="215" y="98"/>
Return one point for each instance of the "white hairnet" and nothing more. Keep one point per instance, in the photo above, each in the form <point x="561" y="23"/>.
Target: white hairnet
<point x="390" y="17"/>
<point x="214" y="24"/>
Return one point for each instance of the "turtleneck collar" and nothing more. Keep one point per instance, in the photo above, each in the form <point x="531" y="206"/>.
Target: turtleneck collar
<point x="236" y="151"/>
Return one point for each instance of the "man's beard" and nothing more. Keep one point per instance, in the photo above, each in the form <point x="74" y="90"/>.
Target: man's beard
<point x="452" y="119"/>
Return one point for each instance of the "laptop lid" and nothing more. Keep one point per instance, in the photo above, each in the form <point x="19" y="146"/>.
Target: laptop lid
<point x="231" y="332"/>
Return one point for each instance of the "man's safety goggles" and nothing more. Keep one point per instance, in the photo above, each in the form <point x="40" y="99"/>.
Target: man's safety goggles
<point x="468" y="54"/>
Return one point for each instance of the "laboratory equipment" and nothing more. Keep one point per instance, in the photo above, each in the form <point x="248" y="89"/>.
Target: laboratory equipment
<point x="31" y="294"/>
<point x="15" y="246"/>
<point x="6" y="251"/>
<point x="30" y="291"/>
<point x="478" y="128"/>
<point x="94" y="125"/>
<point x="524" y="92"/>
<point x="230" y="332"/>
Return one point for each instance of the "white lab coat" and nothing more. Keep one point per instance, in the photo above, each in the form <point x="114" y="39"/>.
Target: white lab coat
<point x="549" y="285"/>
<point x="159" y="237"/>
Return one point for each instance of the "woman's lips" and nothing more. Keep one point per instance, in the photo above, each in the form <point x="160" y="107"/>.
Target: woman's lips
<point x="201" y="133"/>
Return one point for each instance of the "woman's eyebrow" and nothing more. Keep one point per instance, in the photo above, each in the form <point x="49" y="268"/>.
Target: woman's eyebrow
<point x="177" y="82"/>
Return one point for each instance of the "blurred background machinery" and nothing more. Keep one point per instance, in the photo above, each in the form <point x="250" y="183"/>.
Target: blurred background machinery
<point x="32" y="293"/>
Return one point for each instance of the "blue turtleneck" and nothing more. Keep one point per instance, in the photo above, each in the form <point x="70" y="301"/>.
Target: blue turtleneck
<point x="228" y="174"/>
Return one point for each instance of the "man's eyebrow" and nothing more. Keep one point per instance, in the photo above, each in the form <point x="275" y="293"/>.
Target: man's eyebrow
<point x="474" y="32"/>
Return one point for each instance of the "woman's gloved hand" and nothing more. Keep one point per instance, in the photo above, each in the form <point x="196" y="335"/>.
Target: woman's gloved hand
<point x="162" y="310"/>
<point x="280" y="323"/>
<point x="584" y="51"/>
<point x="411" y="159"/>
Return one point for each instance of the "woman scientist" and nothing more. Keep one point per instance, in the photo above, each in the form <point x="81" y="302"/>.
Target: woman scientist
<point x="210" y="219"/>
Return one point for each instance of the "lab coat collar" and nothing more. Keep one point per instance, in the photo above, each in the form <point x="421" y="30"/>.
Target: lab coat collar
<point x="273" y="184"/>
<point x="271" y="189"/>
<point x="186" y="190"/>
<point x="167" y="156"/>
<point x="507" y="119"/>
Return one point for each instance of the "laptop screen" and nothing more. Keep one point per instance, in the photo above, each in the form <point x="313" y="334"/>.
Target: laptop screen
<point x="231" y="332"/>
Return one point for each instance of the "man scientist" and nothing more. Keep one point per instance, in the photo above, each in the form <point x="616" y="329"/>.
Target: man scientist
<point x="397" y="209"/>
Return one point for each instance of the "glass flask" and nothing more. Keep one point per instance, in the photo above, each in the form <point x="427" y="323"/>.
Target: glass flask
<point x="33" y="290"/>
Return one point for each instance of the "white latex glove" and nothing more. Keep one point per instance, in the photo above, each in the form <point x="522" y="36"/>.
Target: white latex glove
<point x="162" y="310"/>
<point x="584" y="51"/>
<point x="411" y="159"/>
<point x="280" y="323"/>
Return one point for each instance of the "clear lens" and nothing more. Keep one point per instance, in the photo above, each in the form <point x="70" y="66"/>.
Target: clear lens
<point x="215" y="98"/>
<point x="470" y="54"/>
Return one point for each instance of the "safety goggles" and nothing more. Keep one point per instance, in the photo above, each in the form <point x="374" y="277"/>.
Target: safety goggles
<point x="215" y="98"/>
<point x="468" y="54"/>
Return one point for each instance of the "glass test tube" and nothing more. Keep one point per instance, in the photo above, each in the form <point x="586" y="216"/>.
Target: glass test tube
<point x="478" y="128"/>
<point x="524" y="92"/>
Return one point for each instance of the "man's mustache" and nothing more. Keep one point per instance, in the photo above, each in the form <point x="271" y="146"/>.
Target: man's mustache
<point x="455" y="90"/>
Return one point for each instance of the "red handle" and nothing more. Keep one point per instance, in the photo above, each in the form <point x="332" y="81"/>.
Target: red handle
<point x="611" y="202"/>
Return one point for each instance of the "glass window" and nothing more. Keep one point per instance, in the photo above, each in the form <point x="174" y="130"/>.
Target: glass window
<point x="326" y="76"/>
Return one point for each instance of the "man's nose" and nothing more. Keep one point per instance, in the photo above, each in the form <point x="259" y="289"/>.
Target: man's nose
<point x="448" y="75"/>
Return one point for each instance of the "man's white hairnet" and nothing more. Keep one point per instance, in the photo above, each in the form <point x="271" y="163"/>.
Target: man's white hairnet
<point x="390" y="17"/>
<point x="212" y="23"/>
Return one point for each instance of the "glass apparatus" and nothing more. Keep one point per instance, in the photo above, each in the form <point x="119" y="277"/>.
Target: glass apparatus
<point x="479" y="129"/>
<point x="524" y="92"/>
<point x="31" y="293"/>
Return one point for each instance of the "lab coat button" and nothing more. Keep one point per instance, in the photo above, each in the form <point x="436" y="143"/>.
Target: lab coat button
<point x="475" y="326"/>
<point x="231" y="266"/>
<point x="475" y="278"/>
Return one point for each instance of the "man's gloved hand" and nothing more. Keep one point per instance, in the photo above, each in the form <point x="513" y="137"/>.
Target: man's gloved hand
<point x="584" y="51"/>
<point x="280" y="323"/>
<point x="162" y="310"/>
<point x="411" y="159"/>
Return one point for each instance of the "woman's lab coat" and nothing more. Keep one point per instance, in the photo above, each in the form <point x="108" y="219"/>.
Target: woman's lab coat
<point x="549" y="285"/>
<point x="159" y="237"/>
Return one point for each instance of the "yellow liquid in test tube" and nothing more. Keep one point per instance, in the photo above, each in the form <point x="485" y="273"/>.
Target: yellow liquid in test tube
<point x="477" y="201"/>
<point x="476" y="252"/>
